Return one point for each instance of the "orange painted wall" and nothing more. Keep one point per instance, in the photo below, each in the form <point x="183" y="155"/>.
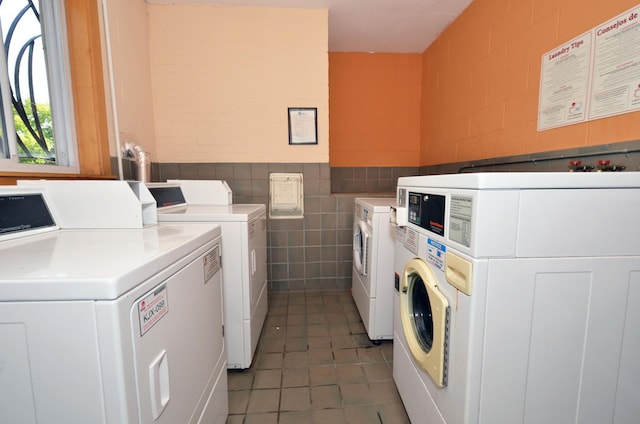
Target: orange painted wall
<point x="374" y="109"/>
<point x="480" y="81"/>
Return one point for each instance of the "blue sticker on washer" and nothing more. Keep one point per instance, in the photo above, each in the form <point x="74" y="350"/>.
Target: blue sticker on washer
<point x="435" y="253"/>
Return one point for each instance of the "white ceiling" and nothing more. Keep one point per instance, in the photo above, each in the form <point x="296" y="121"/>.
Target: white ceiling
<point x="379" y="26"/>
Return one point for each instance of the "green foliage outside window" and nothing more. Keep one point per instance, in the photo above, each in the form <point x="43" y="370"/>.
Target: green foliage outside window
<point x="35" y="152"/>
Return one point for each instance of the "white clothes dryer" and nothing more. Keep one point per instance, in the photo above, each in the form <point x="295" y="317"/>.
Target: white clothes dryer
<point x="372" y="275"/>
<point x="244" y="259"/>
<point x="107" y="324"/>
<point x="517" y="298"/>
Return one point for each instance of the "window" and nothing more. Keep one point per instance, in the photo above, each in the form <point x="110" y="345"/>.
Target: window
<point x="36" y="120"/>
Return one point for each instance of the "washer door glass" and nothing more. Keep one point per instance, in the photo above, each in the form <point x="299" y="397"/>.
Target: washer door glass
<point x="424" y="313"/>
<point x="421" y="314"/>
<point x="360" y="246"/>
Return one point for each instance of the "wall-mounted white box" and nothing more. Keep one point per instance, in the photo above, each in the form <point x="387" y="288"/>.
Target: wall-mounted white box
<point x="286" y="196"/>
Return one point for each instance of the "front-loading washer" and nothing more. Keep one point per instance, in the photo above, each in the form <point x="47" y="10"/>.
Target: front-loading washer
<point x="244" y="253"/>
<point x="372" y="273"/>
<point x="512" y="306"/>
<point x="107" y="319"/>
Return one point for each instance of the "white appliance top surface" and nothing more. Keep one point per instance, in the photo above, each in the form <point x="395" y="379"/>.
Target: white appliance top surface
<point x="524" y="180"/>
<point x="97" y="264"/>
<point x="377" y="204"/>
<point x="210" y="213"/>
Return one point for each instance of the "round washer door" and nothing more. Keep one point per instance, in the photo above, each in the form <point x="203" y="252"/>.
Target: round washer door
<point x="425" y="314"/>
<point x="360" y="246"/>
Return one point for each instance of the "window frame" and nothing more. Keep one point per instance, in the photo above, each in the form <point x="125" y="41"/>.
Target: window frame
<point x="86" y="76"/>
<point x="54" y="36"/>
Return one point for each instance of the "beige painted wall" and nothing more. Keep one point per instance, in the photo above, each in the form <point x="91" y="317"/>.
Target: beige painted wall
<point x="223" y="77"/>
<point x="127" y="27"/>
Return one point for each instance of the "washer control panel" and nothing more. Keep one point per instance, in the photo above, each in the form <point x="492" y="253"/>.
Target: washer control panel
<point x="427" y="211"/>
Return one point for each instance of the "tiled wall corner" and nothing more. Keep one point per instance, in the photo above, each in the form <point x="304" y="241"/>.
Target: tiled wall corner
<point x="369" y="179"/>
<point x="313" y="253"/>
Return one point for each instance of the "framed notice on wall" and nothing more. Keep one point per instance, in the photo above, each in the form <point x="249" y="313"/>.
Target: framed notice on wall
<point x="303" y="125"/>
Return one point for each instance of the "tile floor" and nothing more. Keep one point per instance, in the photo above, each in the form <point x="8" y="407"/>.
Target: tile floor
<point x="315" y="364"/>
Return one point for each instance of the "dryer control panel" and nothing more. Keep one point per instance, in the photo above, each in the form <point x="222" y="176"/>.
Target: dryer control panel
<point x="427" y="211"/>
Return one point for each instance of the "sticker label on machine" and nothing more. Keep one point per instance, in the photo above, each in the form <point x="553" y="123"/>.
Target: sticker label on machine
<point x="152" y="308"/>
<point x="211" y="263"/>
<point x="411" y="240"/>
<point x="460" y="220"/>
<point x="435" y="253"/>
<point x="400" y="233"/>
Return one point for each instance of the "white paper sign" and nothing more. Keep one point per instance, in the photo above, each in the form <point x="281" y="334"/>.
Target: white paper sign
<point x="593" y="76"/>
<point x="615" y="87"/>
<point x="564" y="83"/>
<point x="152" y="308"/>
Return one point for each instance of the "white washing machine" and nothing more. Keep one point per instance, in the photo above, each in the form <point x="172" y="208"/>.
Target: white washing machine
<point x="518" y="298"/>
<point x="372" y="275"/>
<point x="244" y="259"/>
<point x="102" y="321"/>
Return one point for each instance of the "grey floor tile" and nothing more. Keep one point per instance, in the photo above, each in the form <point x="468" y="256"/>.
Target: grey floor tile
<point x="370" y="354"/>
<point x="360" y="340"/>
<point x="297" y="299"/>
<point x="238" y="401"/>
<point x="345" y="356"/>
<point x="393" y="413"/>
<point x="296" y="417"/>
<point x="272" y="345"/>
<point x="316" y="298"/>
<point x="387" y="351"/>
<point x="276" y="320"/>
<point x="267" y="379"/>
<point x="361" y="415"/>
<point x="295" y="377"/>
<point x="357" y="327"/>
<point x="323" y="397"/>
<point x="315" y="364"/>
<point x="378" y="371"/>
<point x="296" y="331"/>
<point x="264" y="400"/>
<point x="270" y="361"/>
<point x="318" y="330"/>
<point x="384" y="392"/>
<point x="267" y="418"/>
<point x="320" y="357"/>
<point x="296" y="344"/>
<point x="323" y="375"/>
<point x="317" y="343"/>
<point x="239" y="380"/>
<point x="317" y="318"/>
<point x="333" y="309"/>
<point x="328" y="416"/>
<point x="278" y="310"/>
<point x="295" y="399"/>
<point x="339" y="329"/>
<point x="355" y="394"/>
<point x="352" y="316"/>
<point x="337" y="317"/>
<point x="296" y="359"/>
<point x="341" y="341"/>
<point x="315" y="308"/>
<point x="350" y="373"/>
<point x="296" y="319"/>
<point x="235" y="419"/>
<point x="273" y="332"/>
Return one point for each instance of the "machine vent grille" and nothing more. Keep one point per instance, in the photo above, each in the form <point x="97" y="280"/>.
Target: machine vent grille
<point x="445" y="353"/>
